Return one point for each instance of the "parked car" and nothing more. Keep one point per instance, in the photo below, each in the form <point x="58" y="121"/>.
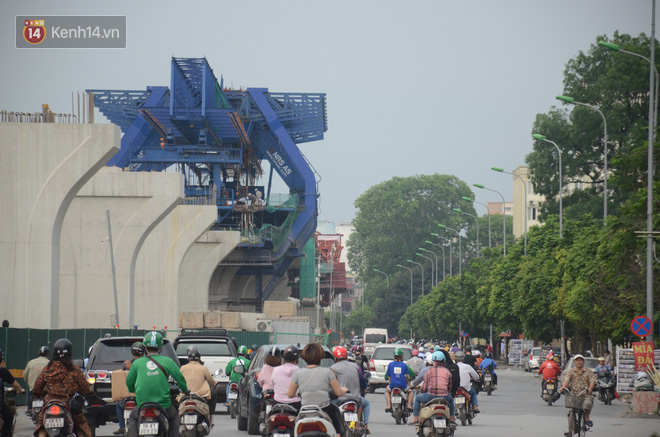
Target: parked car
<point x="217" y="349"/>
<point x="533" y="359"/>
<point x="589" y="362"/>
<point x="379" y="361"/>
<point x="249" y="390"/>
<point x="107" y="355"/>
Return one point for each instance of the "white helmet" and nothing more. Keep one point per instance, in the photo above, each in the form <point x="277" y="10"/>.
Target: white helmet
<point x="429" y="359"/>
<point x="476" y="353"/>
<point x="421" y="349"/>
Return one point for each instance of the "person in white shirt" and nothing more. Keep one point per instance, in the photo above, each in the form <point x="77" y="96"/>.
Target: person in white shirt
<point x="466" y="371"/>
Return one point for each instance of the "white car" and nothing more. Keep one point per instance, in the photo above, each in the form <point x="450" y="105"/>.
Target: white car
<point x="380" y="359"/>
<point x="533" y="360"/>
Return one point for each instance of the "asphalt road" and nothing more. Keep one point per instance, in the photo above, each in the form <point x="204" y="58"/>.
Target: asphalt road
<point x="515" y="409"/>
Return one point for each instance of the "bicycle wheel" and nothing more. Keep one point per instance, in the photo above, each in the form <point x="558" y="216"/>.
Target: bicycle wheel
<point x="579" y="424"/>
<point x="571" y="423"/>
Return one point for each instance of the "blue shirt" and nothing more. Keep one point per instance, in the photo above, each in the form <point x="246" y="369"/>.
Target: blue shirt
<point x="397" y="371"/>
<point x="487" y="362"/>
<point x="603" y="370"/>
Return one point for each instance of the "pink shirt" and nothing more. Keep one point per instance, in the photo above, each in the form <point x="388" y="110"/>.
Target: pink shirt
<point x="281" y="378"/>
<point x="265" y="377"/>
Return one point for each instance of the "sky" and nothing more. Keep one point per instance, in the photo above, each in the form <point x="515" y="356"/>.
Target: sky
<point x="413" y="87"/>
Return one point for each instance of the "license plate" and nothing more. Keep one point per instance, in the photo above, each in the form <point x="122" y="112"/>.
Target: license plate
<point x="281" y="435"/>
<point x="439" y="423"/>
<point x="550" y="386"/>
<point x="487" y="378"/>
<point x="189" y="419"/>
<point x="396" y="399"/>
<point x="233" y="395"/>
<point x="55" y="422"/>
<point x="149" y="428"/>
<point x="127" y="414"/>
<point x="37" y="403"/>
<point x="350" y="417"/>
<point x="460" y="400"/>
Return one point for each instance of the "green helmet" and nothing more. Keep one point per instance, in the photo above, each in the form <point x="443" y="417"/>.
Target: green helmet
<point x="242" y="350"/>
<point x="153" y="339"/>
<point x="398" y="352"/>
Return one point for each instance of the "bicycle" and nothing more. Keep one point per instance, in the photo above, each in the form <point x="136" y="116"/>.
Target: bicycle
<point x="576" y="422"/>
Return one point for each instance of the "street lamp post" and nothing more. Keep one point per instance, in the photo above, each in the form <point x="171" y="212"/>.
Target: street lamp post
<point x="653" y="122"/>
<point x="411" y="290"/>
<point x="487" y="212"/>
<point x="595" y="108"/>
<point x="476" y="221"/>
<point x="432" y="269"/>
<point x="460" y="251"/>
<point x="543" y="138"/>
<point x="387" y="277"/>
<point x="451" y="252"/>
<point x="413" y="262"/>
<point x="501" y="170"/>
<point x="443" y="259"/>
<point x="483" y="187"/>
<point x="436" y="280"/>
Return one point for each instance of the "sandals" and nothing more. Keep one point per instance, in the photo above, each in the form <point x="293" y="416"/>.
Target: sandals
<point x="413" y="423"/>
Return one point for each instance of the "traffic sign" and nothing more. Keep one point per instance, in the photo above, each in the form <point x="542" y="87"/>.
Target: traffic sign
<point x="464" y="334"/>
<point x="641" y="326"/>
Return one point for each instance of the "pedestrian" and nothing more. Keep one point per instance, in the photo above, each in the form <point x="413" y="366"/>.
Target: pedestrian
<point x="31" y="373"/>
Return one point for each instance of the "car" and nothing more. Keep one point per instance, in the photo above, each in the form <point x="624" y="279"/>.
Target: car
<point x="249" y="390"/>
<point x="107" y="355"/>
<point x="372" y="338"/>
<point x="217" y="349"/>
<point x="533" y="359"/>
<point x="589" y="362"/>
<point x="379" y="361"/>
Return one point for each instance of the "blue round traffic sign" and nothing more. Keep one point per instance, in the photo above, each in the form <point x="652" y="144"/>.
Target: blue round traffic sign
<point x="641" y="326"/>
<point x="464" y="334"/>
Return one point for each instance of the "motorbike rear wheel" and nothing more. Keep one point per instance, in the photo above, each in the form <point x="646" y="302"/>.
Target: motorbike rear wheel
<point x="489" y="389"/>
<point x="397" y="416"/>
<point x="461" y="415"/>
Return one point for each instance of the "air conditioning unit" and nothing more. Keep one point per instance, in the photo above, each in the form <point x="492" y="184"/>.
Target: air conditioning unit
<point x="263" y="325"/>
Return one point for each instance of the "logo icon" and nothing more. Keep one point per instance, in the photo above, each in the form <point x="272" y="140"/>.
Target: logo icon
<point x="34" y="31"/>
<point x="151" y="365"/>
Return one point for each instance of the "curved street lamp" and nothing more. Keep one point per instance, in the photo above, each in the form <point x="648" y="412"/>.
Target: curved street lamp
<point x="483" y="187"/>
<point x="436" y="280"/>
<point x="387" y="277"/>
<point x="451" y="252"/>
<point x="432" y="270"/>
<point x="476" y="221"/>
<point x="413" y="262"/>
<point x="501" y="170"/>
<point x="543" y="138"/>
<point x="487" y="211"/>
<point x="443" y="258"/>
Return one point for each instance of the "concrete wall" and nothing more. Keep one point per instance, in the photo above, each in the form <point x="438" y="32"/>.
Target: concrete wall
<point x="42" y="167"/>
<point x="137" y="202"/>
<point x="159" y="261"/>
<point x="198" y="266"/>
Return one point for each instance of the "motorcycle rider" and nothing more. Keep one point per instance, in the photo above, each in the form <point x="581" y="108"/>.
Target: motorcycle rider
<point x="549" y="369"/>
<point x="415" y="363"/>
<point x="7" y="415"/>
<point x="360" y="359"/>
<point x="273" y="359"/>
<point x="229" y="370"/>
<point x="602" y="370"/>
<point x="437" y="384"/>
<point x="137" y="351"/>
<point x="398" y="373"/>
<point x="32" y="371"/>
<point x="467" y="372"/>
<point x="199" y="379"/>
<point x="282" y="377"/>
<point x="348" y="375"/>
<point x="60" y="380"/>
<point x="470" y="359"/>
<point x="489" y="364"/>
<point x="148" y="379"/>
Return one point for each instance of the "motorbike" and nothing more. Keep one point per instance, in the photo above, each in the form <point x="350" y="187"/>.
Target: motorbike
<point x="606" y="386"/>
<point x="37" y="405"/>
<point x="464" y="408"/>
<point x="58" y="420"/>
<point x="488" y="382"/>
<point x="434" y="419"/>
<point x="550" y="393"/>
<point x="232" y="398"/>
<point x="354" y="426"/>
<point x="194" y="416"/>
<point x="280" y="421"/>
<point x="10" y="392"/>
<point x="400" y="410"/>
<point x="267" y="402"/>
<point x="127" y="404"/>
<point x="312" y="421"/>
<point x="152" y="420"/>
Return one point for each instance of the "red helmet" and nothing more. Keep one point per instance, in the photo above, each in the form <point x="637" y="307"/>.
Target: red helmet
<point x="415" y="352"/>
<point x="550" y="355"/>
<point x="340" y="352"/>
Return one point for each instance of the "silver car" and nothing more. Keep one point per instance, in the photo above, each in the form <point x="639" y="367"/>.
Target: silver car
<point x="380" y="359"/>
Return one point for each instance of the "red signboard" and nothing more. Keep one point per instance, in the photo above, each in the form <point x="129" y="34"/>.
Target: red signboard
<point x="643" y="352"/>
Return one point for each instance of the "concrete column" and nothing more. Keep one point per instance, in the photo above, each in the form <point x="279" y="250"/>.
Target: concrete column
<point x="137" y="202"/>
<point x="198" y="266"/>
<point x="159" y="262"/>
<point x="42" y="167"/>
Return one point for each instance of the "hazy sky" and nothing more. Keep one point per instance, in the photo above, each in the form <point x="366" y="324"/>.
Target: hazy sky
<point x="413" y="87"/>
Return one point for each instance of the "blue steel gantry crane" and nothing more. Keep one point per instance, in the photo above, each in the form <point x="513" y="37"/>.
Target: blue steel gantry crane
<point x="218" y="138"/>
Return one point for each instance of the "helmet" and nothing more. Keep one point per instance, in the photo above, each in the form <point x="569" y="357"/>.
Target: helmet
<point x="468" y="348"/>
<point x="340" y="352"/>
<point x="137" y="348"/>
<point x="275" y="352"/>
<point x="438" y="356"/>
<point x="290" y="353"/>
<point x="62" y="348"/>
<point x="601" y="359"/>
<point x="351" y="357"/>
<point x="2" y="356"/>
<point x="242" y="350"/>
<point x="460" y="356"/>
<point x="437" y="348"/>
<point x="550" y="356"/>
<point x="194" y="355"/>
<point x="153" y="339"/>
<point x="421" y="348"/>
<point x="429" y="359"/>
<point x="477" y="353"/>
<point x="359" y="349"/>
<point x="398" y="352"/>
<point x="43" y="351"/>
<point x="415" y="353"/>
<point x="254" y="347"/>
